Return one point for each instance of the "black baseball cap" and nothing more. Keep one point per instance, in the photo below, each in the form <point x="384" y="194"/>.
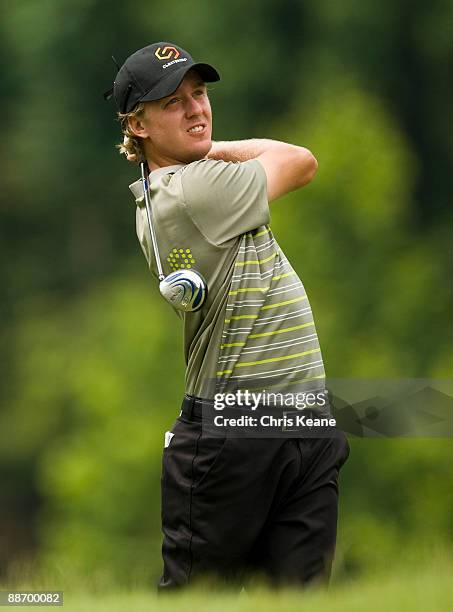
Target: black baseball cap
<point x="154" y="72"/>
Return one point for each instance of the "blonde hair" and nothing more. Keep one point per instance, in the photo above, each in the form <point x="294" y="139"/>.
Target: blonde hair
<point x="132" y="145"/>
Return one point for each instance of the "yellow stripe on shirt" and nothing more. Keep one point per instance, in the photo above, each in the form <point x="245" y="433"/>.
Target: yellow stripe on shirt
<point x="272" y="359"/>
<point x="298" y="299"/>
<point x="256" y="261"/>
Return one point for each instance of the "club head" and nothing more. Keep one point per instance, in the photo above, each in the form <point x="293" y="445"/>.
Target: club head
<point x="185" y="290"/>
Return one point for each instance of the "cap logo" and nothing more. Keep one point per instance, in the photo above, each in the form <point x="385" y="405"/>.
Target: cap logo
<point x="166" y="53"/>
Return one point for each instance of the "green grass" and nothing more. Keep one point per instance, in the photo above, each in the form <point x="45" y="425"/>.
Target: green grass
<point x="424" y="593"/>
<point x="426" y="588"/>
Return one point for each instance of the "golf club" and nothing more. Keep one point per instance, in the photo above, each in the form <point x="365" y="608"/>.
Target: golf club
<point x="184" y="289"/>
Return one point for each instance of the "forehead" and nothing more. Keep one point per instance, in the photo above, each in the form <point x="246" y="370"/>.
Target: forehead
<point x="192" y="78"/>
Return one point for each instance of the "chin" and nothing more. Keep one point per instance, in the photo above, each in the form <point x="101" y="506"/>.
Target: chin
<point x="200" y="151"/>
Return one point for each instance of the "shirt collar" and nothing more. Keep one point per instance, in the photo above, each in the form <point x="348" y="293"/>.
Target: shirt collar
<point x="137" y="186"/>
<point x="158" y="172"/>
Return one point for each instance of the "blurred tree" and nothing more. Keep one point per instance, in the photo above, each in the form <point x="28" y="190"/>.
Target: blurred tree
<point x="94" y="400"/>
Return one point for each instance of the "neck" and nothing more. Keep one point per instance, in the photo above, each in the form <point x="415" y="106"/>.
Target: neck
<point x="156" y="161"/>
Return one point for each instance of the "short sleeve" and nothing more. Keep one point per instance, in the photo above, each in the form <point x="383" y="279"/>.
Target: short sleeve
<point x="225" y="199"/>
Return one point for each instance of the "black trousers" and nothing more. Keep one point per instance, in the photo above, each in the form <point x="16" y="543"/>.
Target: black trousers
<point x="235" y="509"/>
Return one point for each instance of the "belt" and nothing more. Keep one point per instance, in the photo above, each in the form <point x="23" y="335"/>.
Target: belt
<point x="192" y="407"/>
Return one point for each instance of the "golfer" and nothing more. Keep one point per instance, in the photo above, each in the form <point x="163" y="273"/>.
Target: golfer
<point x="233" y="507"/>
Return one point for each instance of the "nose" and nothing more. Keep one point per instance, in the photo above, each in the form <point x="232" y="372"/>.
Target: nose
<point x="193" y="107"/>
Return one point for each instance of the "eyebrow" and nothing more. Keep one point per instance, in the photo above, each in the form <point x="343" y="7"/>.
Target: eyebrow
<point x="196" y="84"/>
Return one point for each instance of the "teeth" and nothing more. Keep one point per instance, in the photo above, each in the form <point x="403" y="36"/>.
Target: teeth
<point x="197" y="128"/>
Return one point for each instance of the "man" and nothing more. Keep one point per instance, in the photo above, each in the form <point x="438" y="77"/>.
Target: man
<point x="232" y="506"/>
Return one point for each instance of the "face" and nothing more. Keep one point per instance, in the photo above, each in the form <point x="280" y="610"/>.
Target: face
<point x="166" y="125"/>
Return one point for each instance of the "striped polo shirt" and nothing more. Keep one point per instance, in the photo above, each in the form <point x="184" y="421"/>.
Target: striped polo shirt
<point x="256" y="330"/>
<point x="269" y="340"/>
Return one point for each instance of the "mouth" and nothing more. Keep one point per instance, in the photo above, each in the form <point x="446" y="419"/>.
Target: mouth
<point x="198" y="128"/>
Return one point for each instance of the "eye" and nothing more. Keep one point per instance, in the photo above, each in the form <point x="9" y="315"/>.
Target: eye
<point x="172" y="101"/>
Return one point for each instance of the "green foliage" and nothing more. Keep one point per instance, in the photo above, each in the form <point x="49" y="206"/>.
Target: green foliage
<point x="101" y="382"/>
<point x="350" y="234"/>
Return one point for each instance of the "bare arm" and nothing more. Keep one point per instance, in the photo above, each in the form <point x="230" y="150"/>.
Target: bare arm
<point x="287" y="166"/>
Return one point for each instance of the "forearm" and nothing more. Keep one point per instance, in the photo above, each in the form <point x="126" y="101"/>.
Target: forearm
<point x="241" y="150"/>
<point x="287" y="166"/>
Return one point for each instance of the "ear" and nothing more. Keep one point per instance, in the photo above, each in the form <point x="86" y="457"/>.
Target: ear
<point x="138" y="127"/>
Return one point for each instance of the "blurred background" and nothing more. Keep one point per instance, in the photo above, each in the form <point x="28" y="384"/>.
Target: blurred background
<point x="86" y="340"/>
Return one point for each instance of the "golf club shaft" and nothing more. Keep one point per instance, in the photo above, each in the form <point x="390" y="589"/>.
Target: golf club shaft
<point x="150" y="221"/>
